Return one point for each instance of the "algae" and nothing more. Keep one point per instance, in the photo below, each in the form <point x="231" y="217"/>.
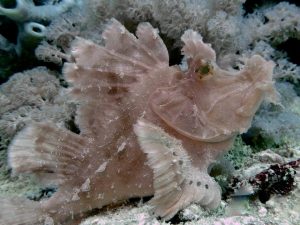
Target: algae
<point x="15" y="186"/>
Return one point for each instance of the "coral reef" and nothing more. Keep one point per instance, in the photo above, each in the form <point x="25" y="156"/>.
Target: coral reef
<point x="34" y="95"/>
<point x="278" y="210"/>
<point x="26" y="10"/>
<point x="239" y="153"/>
<point x="14" y="186"/>
<point x="30" y="17"/>
<point x="36" y="33"/>
<point x="277" y="197"/>
<point x="23" y="25"/>
<point x="276" y="179"/>
<point x="62" y="31"/>
<point x="276" y="125"/>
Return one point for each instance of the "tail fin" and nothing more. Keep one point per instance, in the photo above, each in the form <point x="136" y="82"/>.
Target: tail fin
<point x="51" y="153"/>
<point x="18" y="211"/>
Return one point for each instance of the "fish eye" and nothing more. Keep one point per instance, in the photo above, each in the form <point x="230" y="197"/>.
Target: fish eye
<point x="204" y="70"/>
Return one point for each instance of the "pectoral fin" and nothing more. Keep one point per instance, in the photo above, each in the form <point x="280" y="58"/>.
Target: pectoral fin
<point x="51" y="153"/>
<point x="176" y="182"/>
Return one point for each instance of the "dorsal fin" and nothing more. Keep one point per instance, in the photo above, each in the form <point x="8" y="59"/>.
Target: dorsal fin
<point x="101" y="77"/>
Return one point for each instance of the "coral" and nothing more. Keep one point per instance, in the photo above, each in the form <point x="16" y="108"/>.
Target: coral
<point x="279" y="181"/>
<point x="224" y="31"/>
<point x="282" y="23"/>
<point x="26" y="10"/>
<point x="221" y="22"/>
<point x="88" y="20"/>
<point x="134" y="10"/>
<point x="33" y="95"/>
<point x="31" y="18"/>
<point x="184" y="14"/>
<point x="14" y="186"/>
<point x="197" y="15"/>
<point x="287" y="71"/>
<point x="62" y="31"/>
<point x="278" y="210"/>
<point x="154" y="128"/>
<point x="278" y="178"/>
<point x="271" y="26"/>
<point x="232" y="7"/>
<point x="7" y="63"/>
<point x="276" y="125"/>
<point x="23" y="26"/>
<point x="239" y="153"/>
<point x="5" y="45"/>
<point x="30" y="36"/>
<point x="235" y="32"/>
<point x="51" y="53"/>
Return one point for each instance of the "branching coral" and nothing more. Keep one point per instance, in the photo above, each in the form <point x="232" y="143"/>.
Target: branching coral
<point x="154" y="129"/>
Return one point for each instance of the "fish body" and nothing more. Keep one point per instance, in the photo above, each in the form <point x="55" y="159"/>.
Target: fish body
<point x="146" y="128"/>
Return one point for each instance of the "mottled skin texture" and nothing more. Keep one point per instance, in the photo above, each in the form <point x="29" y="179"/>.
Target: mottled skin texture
<point x="127" y="171"/>
<point x="127" y="80"/>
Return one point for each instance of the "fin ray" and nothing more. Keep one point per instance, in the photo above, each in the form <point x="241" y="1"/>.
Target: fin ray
<point x="112" y="73"/>
<point x="176" y="182"/>
<point x="44" y="149"/>
<point x="19" y="211"/>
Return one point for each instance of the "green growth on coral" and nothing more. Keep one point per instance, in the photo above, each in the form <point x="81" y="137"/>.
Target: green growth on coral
<point x="14" y="186"/>
<point x="239" y="153"/>
<point x="258" y="141"/>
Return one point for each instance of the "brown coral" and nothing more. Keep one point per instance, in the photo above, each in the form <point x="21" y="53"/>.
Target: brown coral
<point x="132" y="102"/>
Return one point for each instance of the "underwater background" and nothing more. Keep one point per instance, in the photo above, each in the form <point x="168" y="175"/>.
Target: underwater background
<point x="35" y="40"/>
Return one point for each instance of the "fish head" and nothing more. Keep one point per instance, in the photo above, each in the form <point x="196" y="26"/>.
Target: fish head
<point x="210" y="104"/>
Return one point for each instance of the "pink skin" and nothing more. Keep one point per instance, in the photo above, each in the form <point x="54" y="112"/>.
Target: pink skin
<point x="127" y="174"/>
<point x="116" y="86"/>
